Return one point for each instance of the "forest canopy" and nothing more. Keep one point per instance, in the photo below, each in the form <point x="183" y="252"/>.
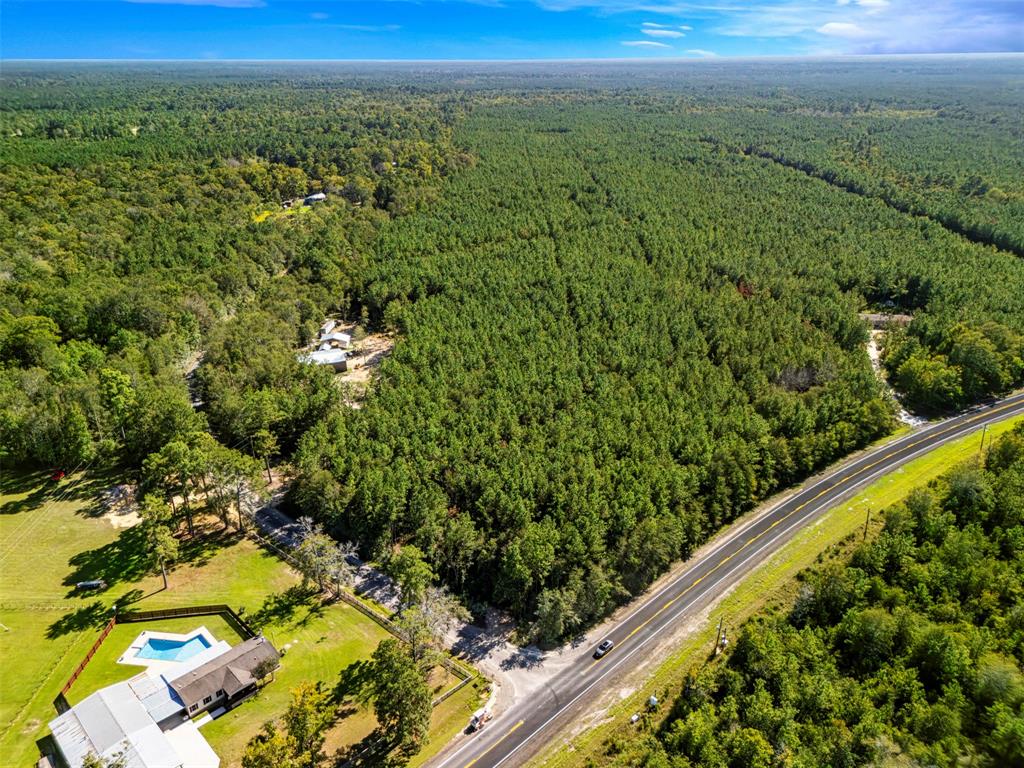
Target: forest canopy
<point x="908" y="652"/>
<point x="625" y="299"/>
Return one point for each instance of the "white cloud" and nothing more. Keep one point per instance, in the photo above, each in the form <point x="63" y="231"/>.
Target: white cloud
<point x="663" y="32"/>
<point x="645" y="44"/>
<point x="817" y="26"/>
<point x="841" y="29"/>
<point x="319" y="16"/>
<point x="702" y="53"/>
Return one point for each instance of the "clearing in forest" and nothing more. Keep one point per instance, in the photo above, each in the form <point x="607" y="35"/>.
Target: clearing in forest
<point x="56" y="535"/>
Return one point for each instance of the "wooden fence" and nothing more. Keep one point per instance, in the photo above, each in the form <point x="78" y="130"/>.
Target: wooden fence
<point x="88" y="656"/>
<point x="244" y="630"/>
<point x="465" y="675"/>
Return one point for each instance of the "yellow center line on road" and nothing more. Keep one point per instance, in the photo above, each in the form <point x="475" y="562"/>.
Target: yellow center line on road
<point x="484" y="753"/>
<point x="788" y="515"/>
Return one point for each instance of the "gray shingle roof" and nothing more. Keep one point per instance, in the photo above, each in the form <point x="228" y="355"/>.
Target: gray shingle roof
<point x="231" y="672"/>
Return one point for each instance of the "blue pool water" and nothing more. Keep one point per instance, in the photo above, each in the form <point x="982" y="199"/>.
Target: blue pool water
<point x="172" y="650"/>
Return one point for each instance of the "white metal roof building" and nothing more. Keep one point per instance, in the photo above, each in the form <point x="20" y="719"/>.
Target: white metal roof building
<point x="114" y="720"/>
<point x="343" y="339"/>
<point x="142" y="717"/>
<point x="337" y="358"/>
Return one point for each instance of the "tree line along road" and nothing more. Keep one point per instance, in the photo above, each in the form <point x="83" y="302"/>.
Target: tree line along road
<point x="523" y="729"/>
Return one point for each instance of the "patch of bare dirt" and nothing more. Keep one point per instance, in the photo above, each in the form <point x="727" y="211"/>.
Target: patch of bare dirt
<point x="120" y="507"/>
<point x="875" y="342"/>
<point x="368" y="351"/>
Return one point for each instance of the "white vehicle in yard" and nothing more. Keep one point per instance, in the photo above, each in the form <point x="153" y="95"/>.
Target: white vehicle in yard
<point x="479" y="719"/>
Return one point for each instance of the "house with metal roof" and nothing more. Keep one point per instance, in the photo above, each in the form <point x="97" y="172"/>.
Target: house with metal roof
<point x="115" y="721"/>
<point x="343" y="340"/>
<point x="336" y="358"/>
<point x="150" y="719"/>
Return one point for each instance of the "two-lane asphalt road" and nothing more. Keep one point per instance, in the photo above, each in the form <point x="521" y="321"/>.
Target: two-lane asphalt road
<point x="518" y="733"/>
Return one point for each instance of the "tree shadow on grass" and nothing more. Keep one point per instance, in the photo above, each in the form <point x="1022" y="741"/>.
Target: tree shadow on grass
<point x="123" y="560"/>
<point x="314" y="610"/>
<point x="42" y="490"/>
<point x="379" y="749"/>
<point x="282" y="607"/>
<point x="88" y="486"/>
<point x="375" y="751"/>
<point x="126" y="558"/>
<point x="34" y="500"/>
<point x="352" y="680"/>
<point x="16" y="481"/>
<point x="90" y="616"/>
<point x="198" y="550"/>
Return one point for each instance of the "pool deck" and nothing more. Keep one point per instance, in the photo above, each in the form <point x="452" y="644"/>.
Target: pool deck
<point x="130" y="656"/>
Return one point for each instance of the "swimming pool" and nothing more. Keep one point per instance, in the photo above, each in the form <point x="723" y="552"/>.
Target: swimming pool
<point x="172" y="650"/>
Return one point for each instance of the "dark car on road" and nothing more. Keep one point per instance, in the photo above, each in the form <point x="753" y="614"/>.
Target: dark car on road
<point x="603" y="648"/>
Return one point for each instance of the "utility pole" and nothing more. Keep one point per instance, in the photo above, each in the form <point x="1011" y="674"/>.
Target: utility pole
<point x="867" y="522"/>
<point x="981" y="445"/>
<point x="718" y="636"/>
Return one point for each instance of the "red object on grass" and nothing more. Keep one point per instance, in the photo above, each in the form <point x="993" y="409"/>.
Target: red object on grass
<point x="57" y="476"/>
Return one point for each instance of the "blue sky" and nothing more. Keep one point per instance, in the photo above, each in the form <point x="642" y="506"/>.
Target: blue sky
<point x="501" y="29"/>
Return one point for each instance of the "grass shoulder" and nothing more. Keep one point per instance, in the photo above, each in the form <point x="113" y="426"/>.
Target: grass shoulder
<point x="769" y="588"/>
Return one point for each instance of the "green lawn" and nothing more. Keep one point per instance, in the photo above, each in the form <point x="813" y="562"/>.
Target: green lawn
<point x="768" y="586"/>
<point x="50" y="538"/>
<point x="46" y="629"/>
<point x="103" y="669"/>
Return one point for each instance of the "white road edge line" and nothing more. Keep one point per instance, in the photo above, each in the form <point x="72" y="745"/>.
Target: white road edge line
<point x="657" y="631"/>
<point x="800" y="520"/>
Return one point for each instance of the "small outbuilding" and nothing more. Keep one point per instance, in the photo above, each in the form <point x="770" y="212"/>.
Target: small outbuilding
<point x="881" y="321"/>
<point x="316" y="197"/>
<point x="342" y="340"/>
<point x="336" y="358"/>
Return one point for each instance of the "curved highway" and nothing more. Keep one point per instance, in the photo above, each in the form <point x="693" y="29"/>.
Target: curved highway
<point x="519" y="732"/>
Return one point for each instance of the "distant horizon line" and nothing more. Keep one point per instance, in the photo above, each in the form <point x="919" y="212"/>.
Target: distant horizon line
<point x="608" y="59"/>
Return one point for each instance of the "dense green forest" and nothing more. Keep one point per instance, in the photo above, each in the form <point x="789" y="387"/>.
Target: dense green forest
<point x="907" y="652"/>
<point x="621" y="321"/>
<point x="130" y="243"/>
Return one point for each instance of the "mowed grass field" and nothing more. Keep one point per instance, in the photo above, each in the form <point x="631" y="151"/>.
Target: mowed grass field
<point x="52" y="536"/>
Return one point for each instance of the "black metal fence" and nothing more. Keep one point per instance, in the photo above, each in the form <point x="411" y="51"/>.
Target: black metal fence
<point x="60" y="703"/>
<point x="218" y="609"/>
